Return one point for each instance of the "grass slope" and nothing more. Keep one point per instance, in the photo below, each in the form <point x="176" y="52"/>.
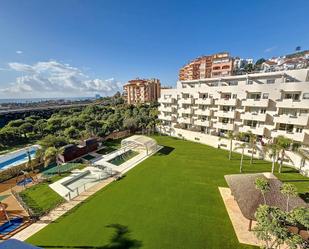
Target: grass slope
<point x="170" y="200"/>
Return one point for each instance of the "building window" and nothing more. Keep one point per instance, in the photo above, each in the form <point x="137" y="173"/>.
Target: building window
<point x="299" y="130"/>
<point x="233" y="83"/>
<point x="270" y="81"/>
<point x="263" y="110"/>
<point x="234" y="96"/>
<point x="306" y="96"/>
<point x="249" y="82"/>
<point x="265" y="95"/>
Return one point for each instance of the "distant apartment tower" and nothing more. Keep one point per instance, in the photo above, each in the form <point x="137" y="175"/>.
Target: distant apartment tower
<point x="142" y="91"/>
<point x="198" y="68"/>
<point x="216" y="65"/>
<point x="222" y="65"/>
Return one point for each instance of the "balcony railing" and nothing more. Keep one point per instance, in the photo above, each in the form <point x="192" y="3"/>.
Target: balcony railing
<point x="208" y="101"/>
<point x="224" y="126"/>
<point x="203" y="112"/>
<point x="292" y="135"/>
<point x="204" y="123"/>
<point x="291" y="103"/>
<point x="225" y="114"/>
<point x="255" y="130"/>
<point x="255" y="102"/>
<point x="291" y="119"/>
<point x="253" y="116"/>
<point x="229" y="102"/>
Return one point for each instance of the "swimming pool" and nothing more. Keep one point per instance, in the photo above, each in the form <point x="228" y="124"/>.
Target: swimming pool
<point x="120" y="159"/>
<point x="16" y="158"/>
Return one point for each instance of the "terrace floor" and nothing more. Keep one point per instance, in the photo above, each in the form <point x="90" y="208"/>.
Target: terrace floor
<point x="170" y="200"/>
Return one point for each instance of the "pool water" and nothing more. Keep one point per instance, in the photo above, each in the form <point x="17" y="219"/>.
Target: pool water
<point x="11" y="225"/>
<point x="120" y="159"/>
<point x="17" y="159"/>
<point x="24" y="182"/>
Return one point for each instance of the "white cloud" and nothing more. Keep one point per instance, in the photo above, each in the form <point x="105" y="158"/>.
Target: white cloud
<point x="52" y="78"/>
<point x="19" y="52"/>
<point x="268" y="50"/>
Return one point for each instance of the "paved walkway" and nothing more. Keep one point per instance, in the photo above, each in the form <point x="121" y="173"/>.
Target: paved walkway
<point x="59" y="211"/>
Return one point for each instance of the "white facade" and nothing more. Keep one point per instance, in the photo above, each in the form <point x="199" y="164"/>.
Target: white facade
<point x="267" y="104"/>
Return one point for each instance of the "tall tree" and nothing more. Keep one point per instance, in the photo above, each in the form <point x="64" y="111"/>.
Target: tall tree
<point x="241" y="146"/>
<point x="230" y="136"/>
<point x="252" y="144"/>
<point x="52" y="154"/>
<point x="262" y="185"/>
<point x="272" y="150"/>
<point x="284" y="144"/>
<point x="272" y="228"/>
<point x="289" y="190"/>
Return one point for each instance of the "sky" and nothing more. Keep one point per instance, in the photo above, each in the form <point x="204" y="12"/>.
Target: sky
<point x="76" y="48"/>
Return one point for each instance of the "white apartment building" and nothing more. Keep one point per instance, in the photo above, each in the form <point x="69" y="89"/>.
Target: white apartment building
<point x="267" y="104"/>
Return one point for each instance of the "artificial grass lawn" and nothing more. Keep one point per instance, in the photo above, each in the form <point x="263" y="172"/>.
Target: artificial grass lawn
<point x="171" y="200"/>
<point x="41" y="198"/>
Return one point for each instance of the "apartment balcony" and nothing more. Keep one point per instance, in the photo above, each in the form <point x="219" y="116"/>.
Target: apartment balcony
<point x="208" y="101"/>
<point x="204" y="123"/>
<point x="290" y="103"/>
<point x="166" y="109"/>
<point x="188" y="101"/>
<point x="163" y="117"/>
<point x="166" y="100"/>
<point x="203" y="112"/>
<point x="255" y="102"/>
<point x="229" y="102"/>
<point x="253" y="116"/>
<point x="225" y="114"/>
<point x="185" y="111"/>
<point x="255" y="130"/>
<point x="290" y="119"/>
<point x="224" y="126"/>
<point x="299" y="137"/>
<point x="185" y="120"/>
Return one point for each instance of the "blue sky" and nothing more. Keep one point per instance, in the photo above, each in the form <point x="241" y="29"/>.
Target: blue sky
<point x="79" y="48"/>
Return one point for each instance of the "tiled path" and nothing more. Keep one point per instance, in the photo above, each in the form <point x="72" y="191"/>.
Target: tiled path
<point x="59" y="211"/>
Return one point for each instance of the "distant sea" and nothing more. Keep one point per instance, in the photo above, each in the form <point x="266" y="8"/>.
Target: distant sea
<point x="33" y="100"/>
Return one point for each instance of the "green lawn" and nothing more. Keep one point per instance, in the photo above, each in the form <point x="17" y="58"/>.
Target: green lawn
<point x="41" y="198"/>
<point x="169" y="201"/>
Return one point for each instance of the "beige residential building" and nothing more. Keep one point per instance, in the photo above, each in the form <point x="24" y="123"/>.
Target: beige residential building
<point x="142" y="91"/>
<point x="268" y="104"/>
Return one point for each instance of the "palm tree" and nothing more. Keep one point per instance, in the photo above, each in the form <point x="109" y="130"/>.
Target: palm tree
<point x="272" y="149"/>
<point x="29" y="163"/>
<point x="262" y="185"/>
<point x="230" y="136"/>
<point x="302" y="152"/>
<point x="289" y="190"/>
<point x="252" y="144"/>
<point x="241" y="146"/>
<point x="284" y="144"/>
<point x="39" y="154"/>
<point x="52" y="154"/>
